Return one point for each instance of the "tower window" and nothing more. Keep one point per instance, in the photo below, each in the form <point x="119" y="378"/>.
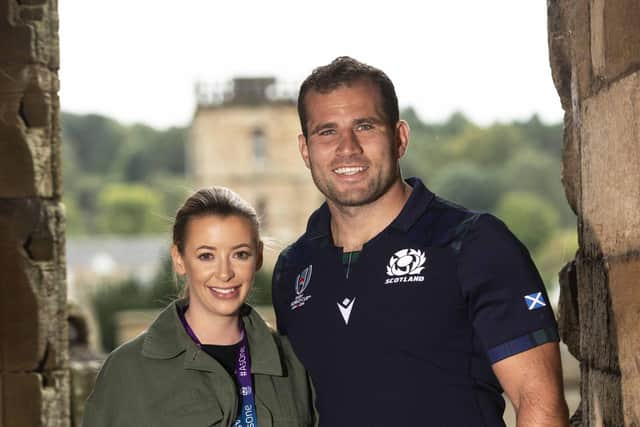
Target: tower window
<point x="259" y="146"/>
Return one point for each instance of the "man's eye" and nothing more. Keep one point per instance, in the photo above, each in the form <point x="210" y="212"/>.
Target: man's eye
<point x="206" y="256"/>
<point x="364" y="126"/>
<point x="327" y="132"/>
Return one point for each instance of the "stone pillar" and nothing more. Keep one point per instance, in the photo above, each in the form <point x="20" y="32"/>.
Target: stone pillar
<point x="595" y="60"/>
<point x="34" y="373"/>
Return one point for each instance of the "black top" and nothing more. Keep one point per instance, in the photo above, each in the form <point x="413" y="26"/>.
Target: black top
<point x="226" y="355"/>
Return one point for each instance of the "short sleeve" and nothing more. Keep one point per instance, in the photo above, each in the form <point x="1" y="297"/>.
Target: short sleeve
<point x="277" y="295"/>
<point x="507" y="301"/>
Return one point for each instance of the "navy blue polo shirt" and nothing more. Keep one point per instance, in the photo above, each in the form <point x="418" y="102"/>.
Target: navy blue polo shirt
<point x="408" y="336"/>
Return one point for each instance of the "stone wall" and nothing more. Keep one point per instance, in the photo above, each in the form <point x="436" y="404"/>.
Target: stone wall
<point x="34" y="375"/>
<point x="595" y="61"/>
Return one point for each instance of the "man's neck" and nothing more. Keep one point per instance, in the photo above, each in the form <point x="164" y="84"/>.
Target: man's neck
<point x="353" y="226"/>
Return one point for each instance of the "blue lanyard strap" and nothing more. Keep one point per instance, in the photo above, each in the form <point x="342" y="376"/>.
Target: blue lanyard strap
<point x="247" y="416"/>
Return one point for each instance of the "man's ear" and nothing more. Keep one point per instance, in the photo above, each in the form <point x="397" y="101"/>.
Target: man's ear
<point x="259" y="255"/>
<point x="304" y="149"/>
<point x="178" y="263"/>
<point x="402" y="137"/>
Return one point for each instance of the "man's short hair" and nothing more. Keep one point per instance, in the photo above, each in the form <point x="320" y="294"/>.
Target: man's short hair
<point x="345" y="71"/>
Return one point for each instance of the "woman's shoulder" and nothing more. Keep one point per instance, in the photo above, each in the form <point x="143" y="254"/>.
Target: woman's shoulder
<point x="118" y="364"/>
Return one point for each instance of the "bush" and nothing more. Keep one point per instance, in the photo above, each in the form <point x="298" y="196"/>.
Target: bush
<point x="130" y="209"/>
<point x="529" y="217"/>
<point x="468" y="185"/>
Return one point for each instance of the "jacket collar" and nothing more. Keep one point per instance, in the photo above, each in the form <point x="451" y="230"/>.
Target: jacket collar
<point x="319" y="224"/>
<point x="166" y="339"/>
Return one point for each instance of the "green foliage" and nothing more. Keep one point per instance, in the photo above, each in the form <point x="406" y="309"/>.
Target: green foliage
<point x="487" y="147"/>
<point x="537" y="172"/>
<point x="73" y="216"/>
<point x="531" y="218"/>
<point x="130" y="209"/>
<point x="469" y="185"/>
<point x="95" y="140"/>
<point x="261" y="292"/>
<point x="130" y="294"/>
<point x="146" y="152"/>
<point x="547" y="138"/>
<point x="97" y="150"/>
<point x="110" y="299"/>
<point x="555" y="253"/>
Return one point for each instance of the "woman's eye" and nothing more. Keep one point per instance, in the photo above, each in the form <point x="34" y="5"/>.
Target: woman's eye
<point x="206" y="256"/>
<point x="243" y="255"/>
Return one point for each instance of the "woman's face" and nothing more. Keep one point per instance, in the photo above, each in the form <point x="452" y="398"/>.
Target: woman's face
<point x="220" y="258"/>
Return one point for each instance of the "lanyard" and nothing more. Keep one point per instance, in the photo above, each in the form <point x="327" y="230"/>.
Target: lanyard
<point x="248" y="415"/>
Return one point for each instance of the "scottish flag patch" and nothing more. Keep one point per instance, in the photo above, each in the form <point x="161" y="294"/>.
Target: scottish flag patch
<point x="535" y="301"/>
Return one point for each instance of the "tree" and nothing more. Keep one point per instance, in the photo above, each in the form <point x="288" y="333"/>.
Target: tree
<point x="530" y="218"/>
<point x="130" y="209"/>
<point x="469" y="185"/>
<point x="535" y="171"/>
<point x="488" y="147"/>
<point x="95" y="140"/>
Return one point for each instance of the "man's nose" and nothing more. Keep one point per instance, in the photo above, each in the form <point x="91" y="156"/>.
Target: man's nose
<point x="349" y="143"/>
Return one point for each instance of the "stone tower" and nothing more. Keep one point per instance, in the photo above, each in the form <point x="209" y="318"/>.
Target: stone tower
<point x="595" y="59"/>
<point x="244" y="136"/>
<point x="34" y="376"/>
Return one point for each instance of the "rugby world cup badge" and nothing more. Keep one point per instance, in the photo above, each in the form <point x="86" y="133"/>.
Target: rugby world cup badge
<point x="405" y="266"/>
<point x="302" y="282"/>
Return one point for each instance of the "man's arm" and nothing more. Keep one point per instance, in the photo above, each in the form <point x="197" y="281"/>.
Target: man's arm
<point x="532" y="381"/>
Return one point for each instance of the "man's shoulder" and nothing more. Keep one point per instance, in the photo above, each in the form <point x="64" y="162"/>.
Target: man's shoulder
<point x="295" y="253"/>
<point x="446" y="224"/>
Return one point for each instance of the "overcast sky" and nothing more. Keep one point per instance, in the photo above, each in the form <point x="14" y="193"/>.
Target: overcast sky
<point x="137" y="61"/>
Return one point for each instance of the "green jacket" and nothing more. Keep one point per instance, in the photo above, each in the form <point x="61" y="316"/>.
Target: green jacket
<point x="162" y="378"/>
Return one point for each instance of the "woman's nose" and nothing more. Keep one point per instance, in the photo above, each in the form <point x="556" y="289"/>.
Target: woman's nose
<point x="225" y="271"/>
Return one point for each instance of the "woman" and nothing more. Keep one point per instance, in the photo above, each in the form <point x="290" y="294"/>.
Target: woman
<point x="208" y="359"/>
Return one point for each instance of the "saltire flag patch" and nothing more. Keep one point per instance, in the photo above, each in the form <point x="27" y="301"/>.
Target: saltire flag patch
<point x="535" y="301"/>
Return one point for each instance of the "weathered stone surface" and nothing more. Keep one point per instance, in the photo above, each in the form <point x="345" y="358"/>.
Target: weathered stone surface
<point x="581" y="71"/>
<point x="615" y="39"/>
<point x="33" y="295"/>
<point x="570" y="169"/>
<point x="32" y="2"/>
<point x="598" y="344"/>
<point x="568" y="309"/>
<point x="55" y="410"/>
<point x="34" y="377"/>
<point x="624" y="284"/>
<point x="29" y="163"/>
<point x="17" y="175"/>
<point x="31" y="13"/>
<point x="610" y="164"/>
<point x="558" y="27"/>
<point x="21" y="400"/>
<point x="596" y="46"/>
<point x="601" y="398"/>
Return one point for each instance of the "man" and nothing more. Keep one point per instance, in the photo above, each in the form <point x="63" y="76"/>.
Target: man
<point x="406" y="309"/>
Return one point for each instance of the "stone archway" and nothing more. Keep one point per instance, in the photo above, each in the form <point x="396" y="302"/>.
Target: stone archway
<point x="34" y="376"/>
<point x="595" y="59"/>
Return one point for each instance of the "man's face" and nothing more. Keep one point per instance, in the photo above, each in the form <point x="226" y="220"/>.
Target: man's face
<point x="350" y="149"/>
